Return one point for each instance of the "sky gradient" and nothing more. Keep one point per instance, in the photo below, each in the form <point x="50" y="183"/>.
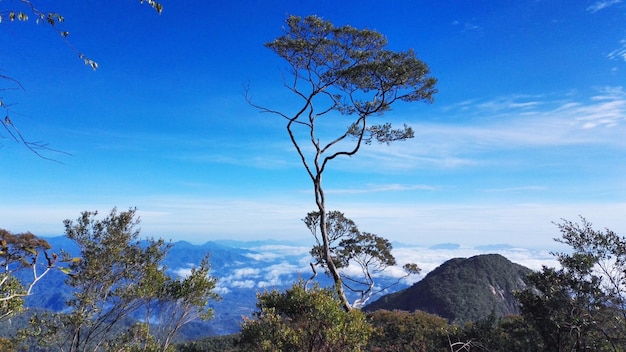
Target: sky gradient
<point x="528" y="126"/>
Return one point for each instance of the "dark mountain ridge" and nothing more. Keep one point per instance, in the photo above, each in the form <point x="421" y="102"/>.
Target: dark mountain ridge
<point x="462" y="289"/>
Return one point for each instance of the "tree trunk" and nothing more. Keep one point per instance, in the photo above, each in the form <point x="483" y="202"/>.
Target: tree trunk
<point x="321" y="205"/>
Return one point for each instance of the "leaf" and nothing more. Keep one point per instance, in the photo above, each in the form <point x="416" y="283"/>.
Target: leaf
<point x="66" y="271"/>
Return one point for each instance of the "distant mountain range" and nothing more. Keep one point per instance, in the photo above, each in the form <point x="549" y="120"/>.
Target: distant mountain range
<point x="244" y="269"/>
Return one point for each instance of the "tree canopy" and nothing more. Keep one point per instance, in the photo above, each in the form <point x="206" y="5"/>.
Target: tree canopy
<point x="580" y="307"/>
<point x="118" y="277"/>
<point x="303" y="320"/>
<point x="22" y="252"/>
<point x="369" y="253"/>
<point x="349" y="76"/>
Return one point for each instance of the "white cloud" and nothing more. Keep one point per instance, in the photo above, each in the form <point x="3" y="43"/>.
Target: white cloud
<point x="275" y="271"/>
<point x="524" y="225"/>
<point x="282" y="274"/>
<point x="221" y="290"/>
<point x="269" y="256"/>
<point x="382" y="188"/>
<point x="242" y="284"/>
<point x="503" y="124"/>
<point x="182" y="272"/>
<point x="245" y="272"/>
<point x="600" y="5"/>
<point x="282" y="250"/>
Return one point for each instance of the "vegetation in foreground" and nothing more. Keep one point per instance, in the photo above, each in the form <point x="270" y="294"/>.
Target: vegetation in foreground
<point x="122" y="298"/>
<point x="579" y="307"/>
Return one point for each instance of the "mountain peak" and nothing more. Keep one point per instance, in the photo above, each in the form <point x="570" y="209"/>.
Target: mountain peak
<point x="463" y="289"/>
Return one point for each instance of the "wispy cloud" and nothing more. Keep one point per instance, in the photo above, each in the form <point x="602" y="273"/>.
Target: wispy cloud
<point x="516" y="189"/>
<point x="600" y="5"/>
<point x="466" y="26"/>
<point x="383" y="188"/>
<point x="619" y="53"/>
<point x="506" y="123"/>
<point x="520" y="224"/>
<point x="270" y="253"/>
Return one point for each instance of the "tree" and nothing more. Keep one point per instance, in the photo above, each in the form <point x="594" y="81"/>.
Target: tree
<point x="303" y="320"/>
<point x="339" y="72"/>
<point x="117" y="277"/>
<point x="580" y="307"/>
<point x="181" y="301"/>
<point x="24" y="10"/>
<point x="368" y="252"/>
<point x="18" y="253"/>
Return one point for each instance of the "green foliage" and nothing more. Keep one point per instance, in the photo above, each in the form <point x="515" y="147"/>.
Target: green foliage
<point x="340" y="72"/>
<point x="366" y="77"/>
<point x="25" y="9"/>
<point x="580" y="307"/>
<point x="181" y="301"/>
<point x="301" y="320"/>
<point x="225" y="343"/>
<point x="511" y="334"/>
<point x="119" y="275"/>
<point x="13" y="293"/>
<point x="396" y="331"/>
<point x="349" y="246"/>
<point x="21" y="252"/>
<point x="463" y="289"/>
<point x="6" y="345"/>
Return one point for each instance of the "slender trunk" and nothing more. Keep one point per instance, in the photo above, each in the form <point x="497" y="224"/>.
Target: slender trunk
<point x="330" y="264"/>
<point x="75" y="340"/>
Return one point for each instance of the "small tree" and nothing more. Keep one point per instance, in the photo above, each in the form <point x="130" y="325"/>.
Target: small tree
<point x="301" y="320"/>
<point x="117" y="277"/>
<point x="369" y="253"/>
<point x="580" y="307"/>
<point x="21" y="252"/>
<point x="181" y="301"/>
<point x="339" y="72"/>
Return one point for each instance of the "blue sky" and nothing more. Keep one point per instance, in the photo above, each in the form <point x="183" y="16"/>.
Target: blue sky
<point x="527" y="128"/>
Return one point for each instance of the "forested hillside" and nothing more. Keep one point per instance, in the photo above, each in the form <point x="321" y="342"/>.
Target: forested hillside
<point x="463" y="290"/>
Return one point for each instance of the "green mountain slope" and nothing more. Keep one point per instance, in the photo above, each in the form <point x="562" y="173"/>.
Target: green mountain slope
<point x="462" y="289"/>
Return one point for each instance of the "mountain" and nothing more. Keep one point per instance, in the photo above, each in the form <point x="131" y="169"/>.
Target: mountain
<point x="462" y="289"/>
<point x="448" y="246"/>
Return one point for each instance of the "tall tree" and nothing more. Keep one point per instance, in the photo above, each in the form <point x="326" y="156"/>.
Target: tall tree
<point x="339" y="72"/>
